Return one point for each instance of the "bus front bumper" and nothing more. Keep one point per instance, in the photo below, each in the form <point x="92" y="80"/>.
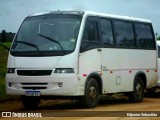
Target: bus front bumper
<point x="58" y="85"/>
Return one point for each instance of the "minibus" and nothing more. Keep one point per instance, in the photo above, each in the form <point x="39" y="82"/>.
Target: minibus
<point x="81" y="55"/>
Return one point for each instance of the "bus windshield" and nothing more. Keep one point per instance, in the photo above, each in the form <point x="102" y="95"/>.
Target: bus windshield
<point x="47" y="35"/>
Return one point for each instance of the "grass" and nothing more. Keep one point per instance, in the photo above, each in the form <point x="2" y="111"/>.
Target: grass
<point x="3" y="66"/>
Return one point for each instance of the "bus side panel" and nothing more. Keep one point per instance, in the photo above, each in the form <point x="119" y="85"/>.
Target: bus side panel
<point x="152" y="78"/>
<point x="89" y="62"/>
<point x="120" y="66"/>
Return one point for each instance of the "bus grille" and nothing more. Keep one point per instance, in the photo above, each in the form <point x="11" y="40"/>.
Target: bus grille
<point x="34" y="72"/>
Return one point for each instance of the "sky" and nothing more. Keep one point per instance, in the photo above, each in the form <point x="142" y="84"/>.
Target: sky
<point x="13" y="12"/>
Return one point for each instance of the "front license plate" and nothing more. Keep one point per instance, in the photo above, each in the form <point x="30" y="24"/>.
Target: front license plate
<point x="32" y="93"/>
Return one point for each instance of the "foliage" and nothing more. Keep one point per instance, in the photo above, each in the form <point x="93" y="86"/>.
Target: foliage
<point x="3" y="39"/>
<point x="3" y="64"/>
<point x="6" y="36"/>
<point x="158" y="38"/>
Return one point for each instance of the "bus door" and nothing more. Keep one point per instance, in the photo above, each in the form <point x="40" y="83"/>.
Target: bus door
<point x="108" y="57"/>
<point x="90" y="56"/>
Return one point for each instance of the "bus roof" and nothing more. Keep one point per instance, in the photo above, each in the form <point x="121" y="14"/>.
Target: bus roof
<point x="91" y="13"/>
<point x="130" y="18"/>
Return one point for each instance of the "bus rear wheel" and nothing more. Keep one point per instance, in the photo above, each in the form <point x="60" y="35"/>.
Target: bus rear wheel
<point x="30" y="102"/>
<point x="91" y="97"/>
<point x="138" y="92"/>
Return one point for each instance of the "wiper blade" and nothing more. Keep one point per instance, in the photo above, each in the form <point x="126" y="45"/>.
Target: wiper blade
<point x="29" y="44"/>
<point x="55" y="41"/>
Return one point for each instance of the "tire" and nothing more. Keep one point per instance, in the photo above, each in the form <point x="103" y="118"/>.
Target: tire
<point x="30" y="102"/>
<point x="138" y="92"/>
<point x="91" y="95"/>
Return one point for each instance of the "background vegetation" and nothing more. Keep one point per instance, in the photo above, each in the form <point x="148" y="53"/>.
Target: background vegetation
<point x="3" y="64"/>
<point x="3" y="68"/>
<point x="6" y="36"/>
<point x="157" y="36"/>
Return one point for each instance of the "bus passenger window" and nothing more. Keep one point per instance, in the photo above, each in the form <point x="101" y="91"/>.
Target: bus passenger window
<point x="144" y="36"/>
<point x="158" y="52"/>
<point x="124" y="34"/>
<point x="91" y="31"/>
<point x="106" y="32"/>
<point x="90" y="38"/>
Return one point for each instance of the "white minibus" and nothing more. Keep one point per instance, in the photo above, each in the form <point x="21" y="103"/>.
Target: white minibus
<point x="81" y="55"/>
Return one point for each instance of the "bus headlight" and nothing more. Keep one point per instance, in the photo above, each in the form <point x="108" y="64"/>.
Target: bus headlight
<point x="11" y="70"/>
<point x="64" y="70"/>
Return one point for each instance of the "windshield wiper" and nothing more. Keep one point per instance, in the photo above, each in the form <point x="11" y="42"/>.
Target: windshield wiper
<point x="55" y="41"/>
<point x="29" y="44"/>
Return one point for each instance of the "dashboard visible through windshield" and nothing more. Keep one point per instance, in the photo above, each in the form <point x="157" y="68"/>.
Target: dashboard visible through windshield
<point x="47" y="35"/>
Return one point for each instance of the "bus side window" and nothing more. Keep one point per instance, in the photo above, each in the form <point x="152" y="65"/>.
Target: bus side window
<point x="149" y="37"/>
<point x="90" y="38"/>
<point x="91" y="31"/>
<point x="158" y="51"/>
<point x="144" y="36"/>
<point x="106" y="32"/>
<point x="124" y="34"/>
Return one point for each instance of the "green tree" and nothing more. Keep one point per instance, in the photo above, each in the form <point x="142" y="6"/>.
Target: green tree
<point x="3" y="36"/>
<point x="157" y="36"/>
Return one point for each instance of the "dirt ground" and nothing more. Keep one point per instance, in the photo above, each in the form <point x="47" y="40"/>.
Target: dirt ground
<point x="116" y="107"/>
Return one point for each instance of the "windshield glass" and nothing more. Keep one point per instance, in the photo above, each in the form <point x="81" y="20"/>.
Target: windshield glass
<point x="48" y="35"/>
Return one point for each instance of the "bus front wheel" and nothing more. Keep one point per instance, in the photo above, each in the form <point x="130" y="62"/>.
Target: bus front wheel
<point x="91" y="97"/>
<point x="138" y="92"/>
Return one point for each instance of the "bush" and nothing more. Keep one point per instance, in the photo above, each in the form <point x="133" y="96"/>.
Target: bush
<point x="3" y="66"/>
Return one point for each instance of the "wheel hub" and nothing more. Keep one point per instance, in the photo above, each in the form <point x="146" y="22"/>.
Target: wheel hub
<point x="92" y="93"/>
<point x="139" y="90"/>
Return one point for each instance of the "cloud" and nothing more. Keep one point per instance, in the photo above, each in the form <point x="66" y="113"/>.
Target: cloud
<point x="12" y="12"/>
